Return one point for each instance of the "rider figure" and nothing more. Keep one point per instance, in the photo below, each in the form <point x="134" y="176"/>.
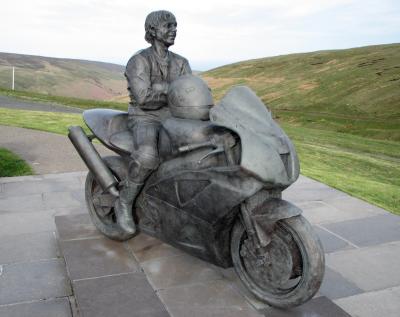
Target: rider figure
<point x="149" y="73"/>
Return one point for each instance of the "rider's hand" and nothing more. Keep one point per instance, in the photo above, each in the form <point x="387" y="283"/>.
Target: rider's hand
<point x="160" y="87"/>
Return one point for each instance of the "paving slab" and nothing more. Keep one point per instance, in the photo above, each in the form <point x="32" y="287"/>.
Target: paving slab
<point x="22" y="203"/>
<point x="77" y="227"/>
<point x="332" y="242"/>
<point x="172" y="274"/>
<point x="64" y="211"/>
<point x="361" y="242"/>
<point x="28" y="247"/>
<point x="96" y="257"/>
<point x="322" y="212"/>
<point x="351" y="204"/>
<point x="21" y="223"/>
<point x="232" y="278"/>
<point x="381" y="303"/>
<point x="178" y="271"/>
<point x="196" y="311"/>
<point x="213" y="298"/>
<point x="311" y="191"/>
<point x="368" y="231"/>
<point x="59" y="307"/>
<point x="146" y="248"/>
<point x="18" y="188"/>
<point x="33" y="281"/>
<point x="318" y="307"/>
<point x="371" y="268"/>
<point x="336" y="286"/>
<point x="54" y="200"/>
<point x="126" y="295"/>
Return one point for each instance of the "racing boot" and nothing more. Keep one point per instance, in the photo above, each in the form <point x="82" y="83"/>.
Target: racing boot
<point x="123" y="206"/>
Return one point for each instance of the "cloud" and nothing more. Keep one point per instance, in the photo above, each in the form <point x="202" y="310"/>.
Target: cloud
<point x="210" y="33"/>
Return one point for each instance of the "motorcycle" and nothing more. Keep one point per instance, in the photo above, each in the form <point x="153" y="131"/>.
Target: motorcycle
<point x="217" y="194"/>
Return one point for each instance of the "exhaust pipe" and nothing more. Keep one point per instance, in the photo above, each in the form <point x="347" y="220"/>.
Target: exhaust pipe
<point x="93" y="160"/>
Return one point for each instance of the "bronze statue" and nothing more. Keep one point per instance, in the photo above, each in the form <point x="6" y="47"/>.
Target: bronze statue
<point x="205" y="179"/>
<point x="149" y="73"/>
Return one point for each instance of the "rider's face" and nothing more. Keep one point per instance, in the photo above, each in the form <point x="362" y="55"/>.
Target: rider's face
<point x="166" y="32"/>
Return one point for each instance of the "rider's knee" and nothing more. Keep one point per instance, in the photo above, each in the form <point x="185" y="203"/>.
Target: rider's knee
<point x="147" y="157"/>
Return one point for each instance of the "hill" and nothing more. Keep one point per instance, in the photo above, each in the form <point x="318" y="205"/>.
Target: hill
<point x="63" y="77"/>
<point x="341" y="109"/>
<point x="354" y="90"/>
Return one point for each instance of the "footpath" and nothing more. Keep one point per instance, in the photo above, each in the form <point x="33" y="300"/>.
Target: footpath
<point x="54" y="263"/>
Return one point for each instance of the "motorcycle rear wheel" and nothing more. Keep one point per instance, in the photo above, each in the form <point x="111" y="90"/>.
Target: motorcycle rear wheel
<point x="289" y="271"/>
<point x="101" y="210"/>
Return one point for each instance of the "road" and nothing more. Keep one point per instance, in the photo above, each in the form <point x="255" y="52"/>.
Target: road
<point x="14" y="103"/>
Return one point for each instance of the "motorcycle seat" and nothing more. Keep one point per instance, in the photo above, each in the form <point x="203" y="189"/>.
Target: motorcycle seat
<point x="123" y="141"/>
<point x="110" y="127"/>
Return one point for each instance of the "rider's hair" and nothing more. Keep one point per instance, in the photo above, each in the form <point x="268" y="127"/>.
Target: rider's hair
<point x="153" y="20"/>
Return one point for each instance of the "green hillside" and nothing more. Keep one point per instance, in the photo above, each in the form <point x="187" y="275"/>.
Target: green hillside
<point x="342" y="110"/>
<point x="63" y="77"/>
<point x="354" y="90"/>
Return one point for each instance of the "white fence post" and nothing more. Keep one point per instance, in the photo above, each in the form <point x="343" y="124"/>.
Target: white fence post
<point x="13" y="77"/>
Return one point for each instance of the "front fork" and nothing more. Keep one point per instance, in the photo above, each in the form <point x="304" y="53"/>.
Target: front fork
<point x="259" y="215"/>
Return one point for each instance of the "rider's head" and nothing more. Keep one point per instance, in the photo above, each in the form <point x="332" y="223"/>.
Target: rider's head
<point x="161" y="26"/>
<point x="190" y="98"/>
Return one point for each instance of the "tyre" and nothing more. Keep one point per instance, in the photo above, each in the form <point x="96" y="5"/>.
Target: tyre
<point x="288" y="271"/>
<point x="101" y="210"/>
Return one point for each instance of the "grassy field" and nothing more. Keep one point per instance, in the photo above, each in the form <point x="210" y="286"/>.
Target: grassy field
<point x="360" y="82"/>
<point x="40" y="120"/>
<point x="341" y="108"/>
<point x="365" y="168"/>
<point x="354" y="91"/>
<point x="63" y="77"/>
<point x="12" y="165"/>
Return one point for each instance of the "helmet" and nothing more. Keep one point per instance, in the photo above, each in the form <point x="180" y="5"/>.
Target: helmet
<point x="190" y="98"/>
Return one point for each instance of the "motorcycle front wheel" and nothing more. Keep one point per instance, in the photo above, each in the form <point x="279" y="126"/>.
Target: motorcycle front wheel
<point x="286" y="273"/>
<point x="101" y="210"/>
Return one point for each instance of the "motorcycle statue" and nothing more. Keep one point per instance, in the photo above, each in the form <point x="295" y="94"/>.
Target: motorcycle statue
<point x="216" y="194"/>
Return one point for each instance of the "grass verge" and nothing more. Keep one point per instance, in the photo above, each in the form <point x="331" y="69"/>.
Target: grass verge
<point x="12" y="165"/>
<point x="364" y="168"/>
<point x="40" y="120"/>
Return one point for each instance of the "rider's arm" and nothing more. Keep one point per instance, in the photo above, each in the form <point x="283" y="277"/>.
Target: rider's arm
<point x="141" y="90"/>
<point x="186" y="68"/>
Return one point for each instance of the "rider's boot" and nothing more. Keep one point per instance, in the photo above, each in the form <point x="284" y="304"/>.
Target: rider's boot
<point x="123" y="206"/>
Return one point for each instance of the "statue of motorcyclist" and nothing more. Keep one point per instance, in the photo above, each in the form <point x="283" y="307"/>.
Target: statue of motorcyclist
<point x="149" y="73"/>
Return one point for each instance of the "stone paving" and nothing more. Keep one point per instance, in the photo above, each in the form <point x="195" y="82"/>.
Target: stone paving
<point x="54" y="263"/>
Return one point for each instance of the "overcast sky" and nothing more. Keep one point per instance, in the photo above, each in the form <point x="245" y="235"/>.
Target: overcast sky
<point x="210" y="33"/>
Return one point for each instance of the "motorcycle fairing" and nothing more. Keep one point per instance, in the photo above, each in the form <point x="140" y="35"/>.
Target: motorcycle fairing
<point x="178" y="132"/>
<point x="267" y="153"/>
<point x="194" y="208"/>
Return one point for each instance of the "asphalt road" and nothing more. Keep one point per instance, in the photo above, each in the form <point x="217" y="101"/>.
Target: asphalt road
<point x="14" y="103"/>
<point x="45" y="152"/>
